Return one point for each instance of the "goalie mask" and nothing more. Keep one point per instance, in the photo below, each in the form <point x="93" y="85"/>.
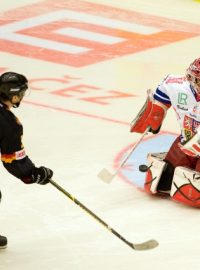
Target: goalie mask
<point x="193" y="75"/>
<point x="12" y="84"/>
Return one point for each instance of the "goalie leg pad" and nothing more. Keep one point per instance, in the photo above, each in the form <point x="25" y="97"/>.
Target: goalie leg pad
<point x="156" y="167"/>
<point x="186" y="186"/>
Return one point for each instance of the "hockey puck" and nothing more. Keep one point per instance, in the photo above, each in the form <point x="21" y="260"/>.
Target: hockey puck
<point x="143" y="168"/>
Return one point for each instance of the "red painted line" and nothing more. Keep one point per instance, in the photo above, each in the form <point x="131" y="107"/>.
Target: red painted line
<point x="76" y="112"/>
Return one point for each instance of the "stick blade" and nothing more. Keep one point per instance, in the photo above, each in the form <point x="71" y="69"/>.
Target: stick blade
<point x="146" y="245"/>
<point x="105" y="175"/>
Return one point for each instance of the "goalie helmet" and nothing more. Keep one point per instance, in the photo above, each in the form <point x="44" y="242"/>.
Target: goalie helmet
<point x="193" y="75"/>
<point x="12" y="84"/>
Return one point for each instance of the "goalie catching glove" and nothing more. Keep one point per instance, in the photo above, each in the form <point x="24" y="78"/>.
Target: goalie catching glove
<point x="151" y="115"/>
<point x="192" y="146"/>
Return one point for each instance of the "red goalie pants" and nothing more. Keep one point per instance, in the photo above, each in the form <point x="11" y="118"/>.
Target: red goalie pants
<point x="186" y="193"/>
<point x="177" y="158"/>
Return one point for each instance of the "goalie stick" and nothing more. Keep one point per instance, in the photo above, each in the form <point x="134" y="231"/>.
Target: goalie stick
<point x="106" y="176"/>
<point x="140" y="246"/>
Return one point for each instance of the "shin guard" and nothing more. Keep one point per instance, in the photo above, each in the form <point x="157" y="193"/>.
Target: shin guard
<point x="156" y="167"/>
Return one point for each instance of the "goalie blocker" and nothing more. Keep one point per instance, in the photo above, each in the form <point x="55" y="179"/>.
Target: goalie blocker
<point x="184" y="186"/>
<point x="151" y="115"/>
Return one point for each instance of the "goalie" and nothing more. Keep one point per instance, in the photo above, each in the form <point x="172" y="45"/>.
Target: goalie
<point x="177" y="172"/>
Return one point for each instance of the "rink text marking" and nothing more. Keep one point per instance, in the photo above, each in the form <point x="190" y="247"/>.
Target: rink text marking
<point x="68" y="92"/>
<point x="75" y="88"/>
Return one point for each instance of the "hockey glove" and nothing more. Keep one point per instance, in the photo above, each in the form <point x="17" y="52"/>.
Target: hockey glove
<point x="41" y="175"/>
<point x="192" y="146"/>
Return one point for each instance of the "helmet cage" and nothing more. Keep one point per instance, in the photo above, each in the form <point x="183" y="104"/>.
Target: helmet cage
<point x="193" y="75"/>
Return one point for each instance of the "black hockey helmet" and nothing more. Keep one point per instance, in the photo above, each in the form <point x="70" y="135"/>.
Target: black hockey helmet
<point x="12" y="84"/>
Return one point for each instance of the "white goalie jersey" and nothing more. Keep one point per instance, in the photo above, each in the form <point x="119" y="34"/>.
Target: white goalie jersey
<point x="177" y="92"/>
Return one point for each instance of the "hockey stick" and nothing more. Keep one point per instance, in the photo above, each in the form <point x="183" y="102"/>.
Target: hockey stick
<point x="141" y="246"/>
<point x="106" y="176"/>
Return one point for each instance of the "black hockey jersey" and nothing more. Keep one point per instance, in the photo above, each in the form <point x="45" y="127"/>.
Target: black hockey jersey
<point x="13" y="153"/>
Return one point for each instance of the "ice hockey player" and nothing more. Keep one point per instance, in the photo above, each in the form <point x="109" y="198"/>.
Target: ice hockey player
<point x="177" y="172"/>
<point x="12" y="90"/>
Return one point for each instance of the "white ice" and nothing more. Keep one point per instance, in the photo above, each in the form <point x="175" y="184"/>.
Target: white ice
<point x="46" y="229"/>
